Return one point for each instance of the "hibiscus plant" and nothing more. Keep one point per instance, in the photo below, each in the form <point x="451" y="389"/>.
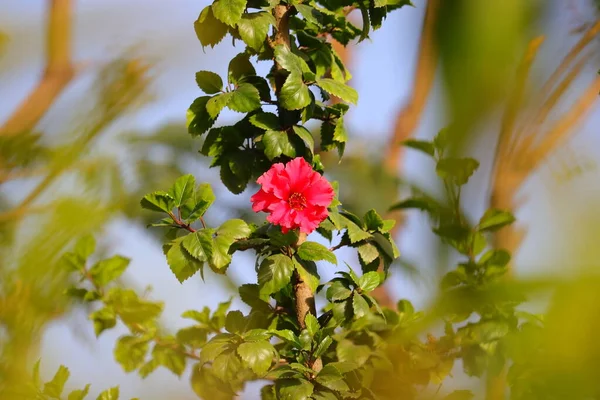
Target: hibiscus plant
<point x="350" y="347"/>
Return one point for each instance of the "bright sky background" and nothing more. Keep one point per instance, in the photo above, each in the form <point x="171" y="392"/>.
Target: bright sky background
<point x="382" y="71"/>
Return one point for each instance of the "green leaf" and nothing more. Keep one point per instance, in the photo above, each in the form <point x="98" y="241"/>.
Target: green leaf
<point x="227" y="366"/>
<point x="368" y="252"/>
<point x="104" y="318"/>
<point x="356" y="233"/>
<point x="198" y="120"/>
<point x="459" y="170"/>
<point x="312" y="324"/>
<point x="494" y="219"/>
<point x="274" y="273"/>
<point x="229" y="11"/>
<point x="109" y="394"/>
<point x="209" y="82"/>
<point x="331" y="378"/>
<point x="373" y="221"/>
<point x="338" y="292"/>
<point x="306" y="136"/>
<point x="287" y="336"/>
<point x="308" y="273"/>
<point x="244" y="99"/>
<point x="293" y="389"/>
<point x="235" y="322"/>
<point x="309" y="13"/>
<point x="266" y="121"/>
<point x="460" y="395"/>
<point x="234" y="183"/>
<point x="288" y="60"/>
<point x="323" y="346"/>
<point x="207" y="386"/>
<point x="79" y="394"/>
<point x="182" y="264"/>
<point x="130" y="352"/>
<point x="234" y="229"/>
<point x="215" y="105"/>
<point x="369" y="281"/>
<point x="294" y="93"/>
<point x="277" y="143"/>
<point x="55" y="387"/>
<point x="210" y="31"/>
<point x="239" y="68"/>
<point x="421" y="145"/>
<point x="85" y="246"/>
<point x="106" y="271"/>
<point x="360" y="306"/>
<point x="258" y="356"/>
<point x="253" y="28"/>
<point x="131" y="309"/>
<point x="338" y="89"/>
<point x="158" y="201"/>
<point x="194" y="336"/>
<point x="313" y="251"/>
<point x="183" y="189"/>
<point x="166" y="355"/>
<point x="198" y="245"/>
<point x="197" y="205"/>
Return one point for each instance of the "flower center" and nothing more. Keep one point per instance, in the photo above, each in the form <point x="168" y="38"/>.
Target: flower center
<point x="297" y="201"/>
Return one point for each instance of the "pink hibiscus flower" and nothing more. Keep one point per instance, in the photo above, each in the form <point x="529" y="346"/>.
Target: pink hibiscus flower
<point x="294" y="195"/>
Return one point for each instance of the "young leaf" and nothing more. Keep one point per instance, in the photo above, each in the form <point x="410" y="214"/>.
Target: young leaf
<point x="313" y="251"/>
<point x="294" y="389"/>
<point x="209" y="82"/>
<point x="421" y="145"/>
<point x="308" y="273"/>
<point x="457" y="169"/>
<point x="331" y="378"/>
<point x="109" y="394"/>
<point x="210" y="31"/>
<point x="369" y="281"/>
<point x="257" y="355"/>
<point x="198" y="120"/>
<point x="373" y="221"/>
<point x="277" y="143"/>
<point x="306" y="136"/>
<point x="253" y="28"/>
<point x="229" y="11"/>
<point x="130" y="352"/>
<point x="108" y="270"/>
<point x="338" y="89"/>
<point x="356" y="233"/>
<point x="288" y="60"/>
<point x="79" y="394"/>
<point x="85" y="246"/>
<point x="359" y="305"/>
<point x="104" y="318"/>
<point x="199" y="245"/>
<point x="312" y="324"/>
<point x="215" y="105"/>
<point x="294" y="93"/>
<point x="266" y="121"/>
<point x="166" y="355"/>
<point x="368" y="252"/>
<point x="240" y="68"/>
<point x="183" y="189"/>
<point x="158" y="201"/>
<point x="338" y="292"/>
<point x="182" y="264"/>
<point x="494" y="219"/>
<point x="55" y="387"/>
<point x="323" y="346"/>
<point x="274" y="273"/>
<point x="244" y="99"/>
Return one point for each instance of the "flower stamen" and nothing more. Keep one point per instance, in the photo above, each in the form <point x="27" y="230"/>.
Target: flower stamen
<point x="297" y="201"/>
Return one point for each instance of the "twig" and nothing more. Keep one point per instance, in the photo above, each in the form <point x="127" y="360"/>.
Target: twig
<point x="58" y="73"/>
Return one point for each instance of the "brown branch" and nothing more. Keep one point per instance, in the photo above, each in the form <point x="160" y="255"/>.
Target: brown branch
<point x="409" y="116"/>
<point x="58" y="73"/>
<point x="303" y="295"/>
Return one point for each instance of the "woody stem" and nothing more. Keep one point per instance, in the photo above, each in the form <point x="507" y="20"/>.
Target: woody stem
<point x="303" y="295"/>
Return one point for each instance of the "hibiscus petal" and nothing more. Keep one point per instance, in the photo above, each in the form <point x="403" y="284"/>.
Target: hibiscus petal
<point x="279" y="212"/>
<point x="320" y="193"/>
<point x="275" y="181"/>
<point x="299" y="173"/>
<point x="261" y="200"/>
